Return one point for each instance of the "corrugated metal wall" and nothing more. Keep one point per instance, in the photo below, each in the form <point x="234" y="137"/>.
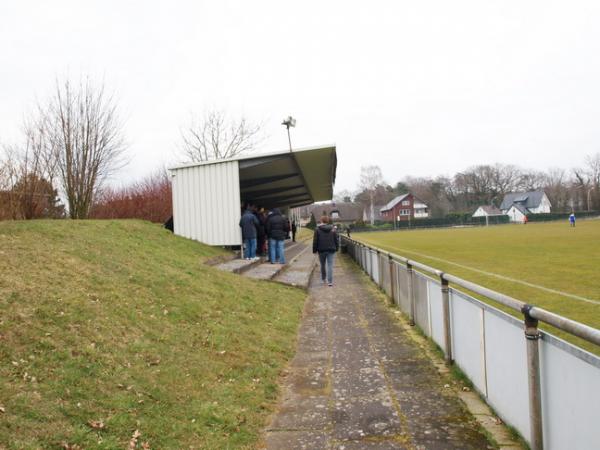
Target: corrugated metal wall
<point x="206" y="203"/>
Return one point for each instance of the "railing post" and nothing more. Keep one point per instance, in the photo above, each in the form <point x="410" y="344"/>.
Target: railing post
<point x="411" y="293"/>
<point x="446" y="318"/>
<point x="377" y="258"/>
<point x="392" y="279"/>
<point x="532" y="336"/>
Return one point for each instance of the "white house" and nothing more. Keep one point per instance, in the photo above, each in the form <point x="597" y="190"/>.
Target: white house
<point x="517" y="213"/>
<point x="517" y="205"/>
<point x="487" y="211"/>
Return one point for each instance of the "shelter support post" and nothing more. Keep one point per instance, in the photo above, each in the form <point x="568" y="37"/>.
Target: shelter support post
<point x="411" y="293"/>
<point x="532" y="336"/>
<point x="446" y="319"/>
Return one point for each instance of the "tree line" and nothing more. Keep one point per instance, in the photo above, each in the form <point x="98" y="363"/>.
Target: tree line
<point x="73" y="142"/>
<point x="575" y="189"/>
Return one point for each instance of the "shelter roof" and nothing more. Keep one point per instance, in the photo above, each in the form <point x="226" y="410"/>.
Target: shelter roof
<point x="285" y="179"/>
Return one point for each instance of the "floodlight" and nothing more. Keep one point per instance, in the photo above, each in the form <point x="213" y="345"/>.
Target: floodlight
<point x="289" y="122"/>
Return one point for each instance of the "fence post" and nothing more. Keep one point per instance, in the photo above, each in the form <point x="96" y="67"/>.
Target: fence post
<point x="411" y="293"/>
<point x="378" y="259"/>
<point x="392" y="277"/>
<point x="532" y="336"/>
<point x="446" y="318"/>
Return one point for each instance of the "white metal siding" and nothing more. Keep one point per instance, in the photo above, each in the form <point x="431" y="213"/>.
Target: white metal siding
<point x="206" y="203"/>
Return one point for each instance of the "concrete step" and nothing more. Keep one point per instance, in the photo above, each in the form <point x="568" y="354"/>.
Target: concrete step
<point x="240" y="265"/>
<point x="299" y="271"/>
<point x="268" y="271"/>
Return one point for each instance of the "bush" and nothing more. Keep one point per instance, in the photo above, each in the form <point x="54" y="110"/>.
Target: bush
<point x="560" y="216"/>
<point x="150" y="199"/>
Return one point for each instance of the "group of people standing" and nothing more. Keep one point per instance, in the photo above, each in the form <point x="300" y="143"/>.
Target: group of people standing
<point x="264" y="233"/>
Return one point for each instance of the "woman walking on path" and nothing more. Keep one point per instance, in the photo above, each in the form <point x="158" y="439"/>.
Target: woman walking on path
<point x="326" y="243"/>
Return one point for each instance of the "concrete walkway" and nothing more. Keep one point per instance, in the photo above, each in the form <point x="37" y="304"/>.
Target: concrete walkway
<point x="359" y="382"/>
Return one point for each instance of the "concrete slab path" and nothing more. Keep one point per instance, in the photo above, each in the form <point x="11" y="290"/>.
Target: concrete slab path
<point x="359" y="382"/>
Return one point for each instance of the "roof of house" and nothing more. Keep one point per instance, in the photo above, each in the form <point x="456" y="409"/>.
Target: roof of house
<point x="491" y="210"/>
<point x="346" y="211"/>
<point x="393" y="202"/>
<point x="531" y="199"/>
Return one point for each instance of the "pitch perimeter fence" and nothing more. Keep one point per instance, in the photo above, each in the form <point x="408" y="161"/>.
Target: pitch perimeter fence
<point x="545" y="387"/>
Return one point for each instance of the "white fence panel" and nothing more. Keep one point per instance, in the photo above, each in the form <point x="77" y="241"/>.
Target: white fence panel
<point x="403" y="289"/>
<point x="506" y="362"/>
<point x="386" y="282"/>
<point x="436" y="312"/>
<point x="570" y="395"/>
<point x="421" y="302"/>
<point x="467" y="338"/>
<point x="396" y="282"/>
<point x="374" y="267"/>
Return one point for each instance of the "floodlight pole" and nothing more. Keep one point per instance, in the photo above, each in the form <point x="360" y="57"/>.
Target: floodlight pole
<point x="289" y="122"/>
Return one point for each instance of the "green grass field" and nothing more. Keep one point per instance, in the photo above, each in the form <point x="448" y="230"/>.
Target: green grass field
<point x="108" y="327"/>
<point x="553" y="265"/>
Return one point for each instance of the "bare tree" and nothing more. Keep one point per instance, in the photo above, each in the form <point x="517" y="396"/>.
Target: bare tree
<point x="215" y="136"/>
<point x="370" y="178"/>
<point x="28" y="171"/>
<point x="87" y="139"/>
<point x="343" y="196"/>
<point x="587" y="182"/>
<point x="8" y="178"/>
<point x="557" y="188"/>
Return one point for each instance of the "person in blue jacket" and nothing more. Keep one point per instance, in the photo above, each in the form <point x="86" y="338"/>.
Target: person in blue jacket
<point x="249" y="224"/>
<point x="572" y="219"/>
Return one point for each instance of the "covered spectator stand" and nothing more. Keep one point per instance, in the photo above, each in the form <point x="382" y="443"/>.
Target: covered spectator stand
<point x="208" y="196"/>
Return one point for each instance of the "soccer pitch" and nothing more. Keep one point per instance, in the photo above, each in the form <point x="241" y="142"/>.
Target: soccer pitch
<point x="550" y="264"/>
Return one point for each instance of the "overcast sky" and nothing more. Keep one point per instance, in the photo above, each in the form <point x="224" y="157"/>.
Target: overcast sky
<point x="419" y="88"/>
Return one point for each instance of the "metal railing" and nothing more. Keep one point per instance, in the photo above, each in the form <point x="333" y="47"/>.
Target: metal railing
<point x="400" y="280"/>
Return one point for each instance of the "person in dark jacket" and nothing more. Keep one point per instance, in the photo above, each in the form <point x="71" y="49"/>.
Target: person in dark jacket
<point x="294" y="229"/>
<point x="277" y="230"/>
<point x="249" y="224"/>
<point x="262" y="232"/>
<point x="326" y="243"/>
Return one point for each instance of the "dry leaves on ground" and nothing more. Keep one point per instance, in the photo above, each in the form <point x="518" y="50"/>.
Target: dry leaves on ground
<point x="97" y="424"/>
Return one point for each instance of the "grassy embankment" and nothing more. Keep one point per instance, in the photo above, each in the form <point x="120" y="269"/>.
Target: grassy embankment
<point x="551" y="255"/>
<point x="108" y="327"/>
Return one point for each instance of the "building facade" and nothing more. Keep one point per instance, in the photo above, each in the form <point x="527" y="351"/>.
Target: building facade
<point x="404" y="207"/>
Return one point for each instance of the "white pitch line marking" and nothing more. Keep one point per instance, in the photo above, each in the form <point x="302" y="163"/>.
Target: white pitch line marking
<point x="502" y="277"/>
